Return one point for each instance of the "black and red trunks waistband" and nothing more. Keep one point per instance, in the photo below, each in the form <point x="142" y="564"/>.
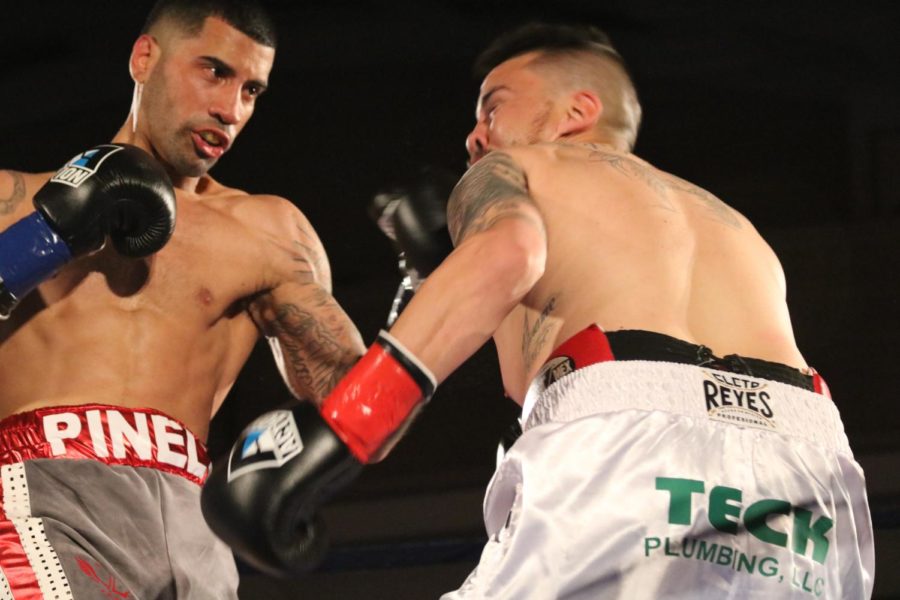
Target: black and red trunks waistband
<point x="115" y="435"/>
<point x="592" y="345"/>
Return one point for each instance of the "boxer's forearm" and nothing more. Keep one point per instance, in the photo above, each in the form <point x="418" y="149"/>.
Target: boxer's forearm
<point x="317" y="343"/>
<point x="461" y="304"/>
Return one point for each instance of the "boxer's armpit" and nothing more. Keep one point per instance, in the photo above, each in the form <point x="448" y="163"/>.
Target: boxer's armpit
<point x="495" y="188"/>
<point x="12" y="191"/>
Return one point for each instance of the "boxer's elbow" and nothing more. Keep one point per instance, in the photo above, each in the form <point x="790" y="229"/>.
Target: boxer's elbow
<point x="515" y="258"/>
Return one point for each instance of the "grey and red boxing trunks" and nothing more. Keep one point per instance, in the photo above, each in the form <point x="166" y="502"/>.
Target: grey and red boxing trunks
<point x="103" y="502"/>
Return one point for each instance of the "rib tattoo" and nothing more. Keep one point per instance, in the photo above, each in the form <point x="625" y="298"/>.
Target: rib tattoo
<point x="535" y="335"/>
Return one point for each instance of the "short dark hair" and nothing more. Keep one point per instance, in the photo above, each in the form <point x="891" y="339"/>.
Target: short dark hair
<point x="577" y="53"/>
<point x="247" y="16"/>
<point x="549" y="38"/>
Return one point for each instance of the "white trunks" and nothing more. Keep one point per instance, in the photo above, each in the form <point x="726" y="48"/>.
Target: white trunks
<point x="642" y="479"/>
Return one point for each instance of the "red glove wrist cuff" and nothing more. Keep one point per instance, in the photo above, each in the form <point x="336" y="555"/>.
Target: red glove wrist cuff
<point x="377" y="397"/>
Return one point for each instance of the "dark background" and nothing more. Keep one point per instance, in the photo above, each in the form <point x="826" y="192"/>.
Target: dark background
<point x="787" y="111"/>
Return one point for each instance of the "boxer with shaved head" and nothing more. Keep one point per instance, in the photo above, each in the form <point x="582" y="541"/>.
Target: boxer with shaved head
<point x="115" y="356"/>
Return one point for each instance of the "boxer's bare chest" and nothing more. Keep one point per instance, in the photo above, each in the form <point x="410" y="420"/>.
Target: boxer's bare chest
<point x="202" y="274"/>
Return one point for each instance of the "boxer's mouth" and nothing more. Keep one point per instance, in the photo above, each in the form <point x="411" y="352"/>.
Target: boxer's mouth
<point x="212" y="142"/>
<point x="214" y="138"/>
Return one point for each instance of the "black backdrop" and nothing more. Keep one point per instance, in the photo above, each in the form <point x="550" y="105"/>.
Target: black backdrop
<point x="789" y="113"/>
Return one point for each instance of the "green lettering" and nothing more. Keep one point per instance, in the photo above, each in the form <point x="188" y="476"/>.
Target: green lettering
<point x="720" y="509"/>
<point x="651" y="543"/>
<point x="704" y="554"/>
<point x="819" y="586"/>
<point x="724" y="557"/>
<point x="768" y="566"/>
<point x="746" y="563"/>
<point x="680" y="491"/>
<point x="755" y="520"/>
<point x="803" y="532"/>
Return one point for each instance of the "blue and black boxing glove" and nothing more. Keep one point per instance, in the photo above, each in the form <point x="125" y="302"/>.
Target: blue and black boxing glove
<point x="113" y="190"/>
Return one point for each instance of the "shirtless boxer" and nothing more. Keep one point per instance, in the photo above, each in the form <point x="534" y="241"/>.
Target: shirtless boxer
<point x="117" y="362"/>
<point x="676" y="444"/>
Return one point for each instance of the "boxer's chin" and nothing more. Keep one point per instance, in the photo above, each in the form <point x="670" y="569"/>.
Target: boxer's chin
<point x="193" y="166"/>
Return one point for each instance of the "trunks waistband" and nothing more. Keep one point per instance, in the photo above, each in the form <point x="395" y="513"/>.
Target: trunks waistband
<point x="115" y="435"/>
<point x="592" y="345"/>
<point x="706" y="396"/>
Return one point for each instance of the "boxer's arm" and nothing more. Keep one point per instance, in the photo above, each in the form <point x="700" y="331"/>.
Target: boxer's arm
<point x="501" y="249"/>
<point x="313" y="340"/>
<point x="268" y="515"/>
<point x="16" y="192"/>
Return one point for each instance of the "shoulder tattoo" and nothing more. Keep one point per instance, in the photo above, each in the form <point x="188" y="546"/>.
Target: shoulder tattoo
<point x="310" y="264"/>
<point x="495" y="188"/>
<point x="715" y="208"/>
<point x="632" y="168"/>
<point x="8" y="205"/>
<point x="661" y="184"/>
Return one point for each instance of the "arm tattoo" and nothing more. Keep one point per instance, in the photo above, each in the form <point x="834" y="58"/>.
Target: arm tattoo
<point x="310" y="263"/>
<point x="315" y="338"/>
<point x="495" y="188"/>
<point x="8" y="205"/>
<point x="315" y="358"/>
<point x="304" y="270"/>
<point x="535" y="335"/>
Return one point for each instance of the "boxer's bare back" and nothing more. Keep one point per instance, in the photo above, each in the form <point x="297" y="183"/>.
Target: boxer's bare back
<point x="633" y="247"/>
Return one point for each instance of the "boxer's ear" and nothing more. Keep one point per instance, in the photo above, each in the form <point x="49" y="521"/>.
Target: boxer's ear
<point x="582" y="111"/>
<point x="144" y="55"/>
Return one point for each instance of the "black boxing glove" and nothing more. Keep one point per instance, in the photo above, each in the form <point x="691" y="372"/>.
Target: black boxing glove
<point x="414" y="217"/>
<point x="262" y="499"/>
<point x="113" y="190"/>
<point x="420" y="221"/>
<point x="262" y="502"/>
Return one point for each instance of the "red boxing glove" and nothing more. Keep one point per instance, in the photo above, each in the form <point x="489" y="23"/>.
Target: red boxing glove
<point x="375" y="402"/>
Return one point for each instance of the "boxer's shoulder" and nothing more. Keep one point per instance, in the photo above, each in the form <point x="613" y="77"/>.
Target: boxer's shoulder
<point x="17" y="188"/>
<point x="251" y="208"/>
<point x="532" y="162"/>
<point x="283" y="230"/>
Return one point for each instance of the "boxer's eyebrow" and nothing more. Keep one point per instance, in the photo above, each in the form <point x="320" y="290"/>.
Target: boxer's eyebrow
<point x="487" y="96"/>
<point x="227" y="70"/>
<point x="224" y="68"/>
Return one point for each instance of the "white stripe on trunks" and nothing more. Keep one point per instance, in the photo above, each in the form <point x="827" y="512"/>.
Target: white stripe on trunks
<point x="41" y="556"/>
